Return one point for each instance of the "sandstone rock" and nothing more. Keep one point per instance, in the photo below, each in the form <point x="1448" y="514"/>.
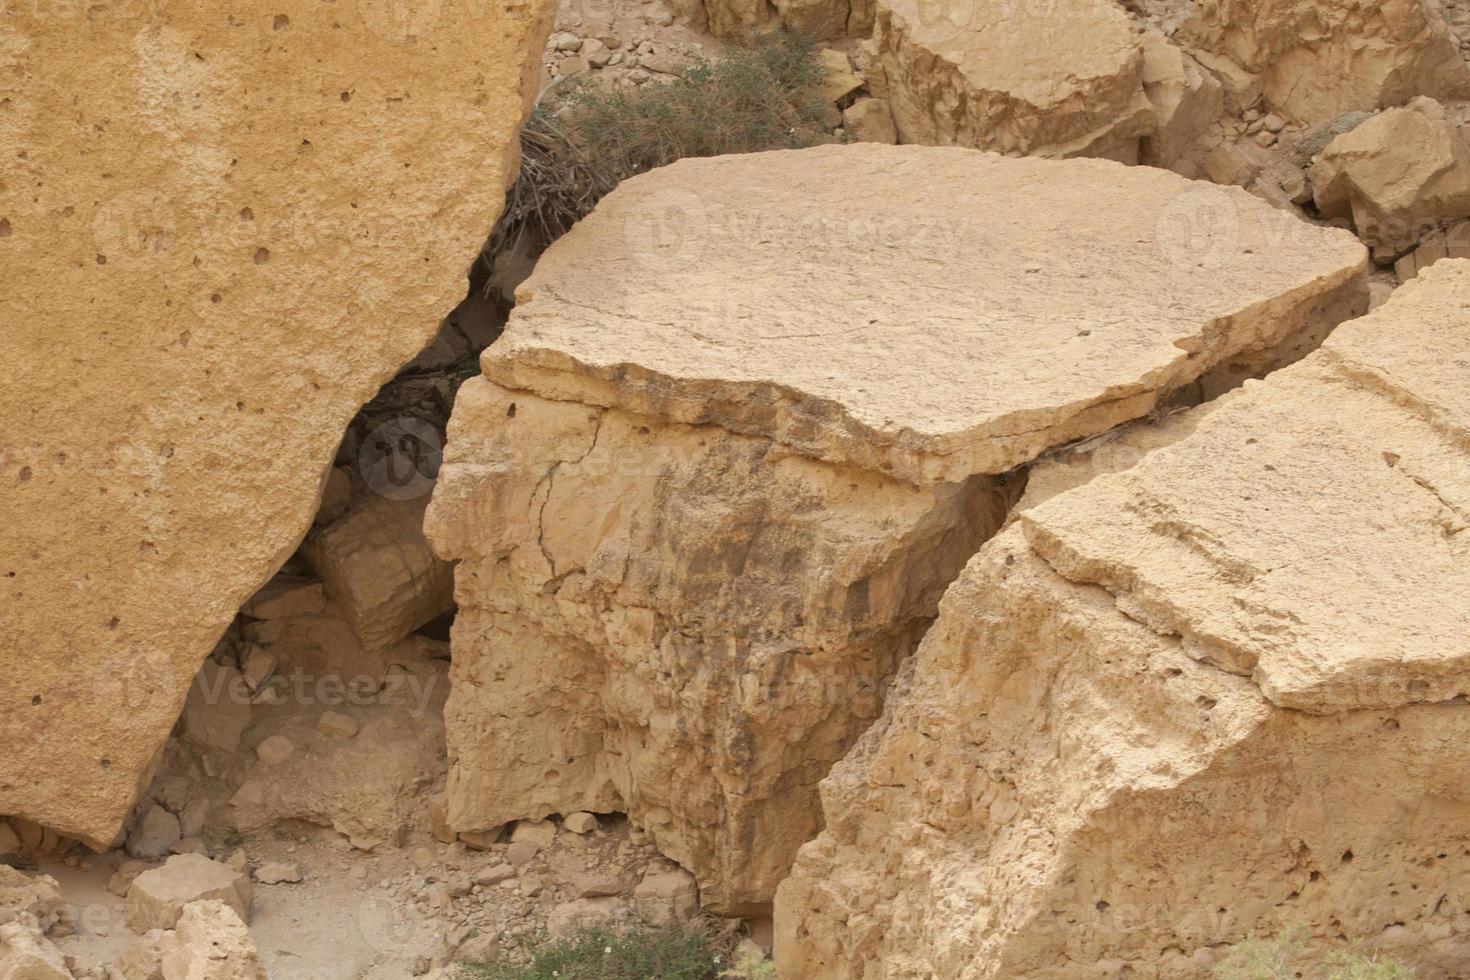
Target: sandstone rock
<point x="1313" y="59"/>
<point x="30" y="898"/>
<point x="334" y="724"/>
<point x="538" y="832"/>
<point x="9" y="840"/>
<point x="521" y="852"/>
<point x="157" y="898"/>
<point x="155" y="834"/>
<point x="1187" y="102"/>
<point x="336" y="498"/>
<point x="580" y="822"/>
<point x="1397" y="175"/>
<point x="597" y="884"/>
<point x="700" y="523"/>
<point x="1251" y="636"/>
<point x="217" y="288"/>
<point x="25" y="954"/>
<point x="275" y="750"/>
<point x="278" y="873"/>
<point x="142" y="960"/>
<point x="284" y="596"/>
<point x="211" y="943"/>
<point x="380" y="570"/>
<point x="494" y="874"/>
<point x="667" y="898"/>
<point x="218" y="708"/>
<point x="870" y="121"/>
<point x="839" y="81"/>
<point x="1055" y="79"/>
<point x="572" y="917"/>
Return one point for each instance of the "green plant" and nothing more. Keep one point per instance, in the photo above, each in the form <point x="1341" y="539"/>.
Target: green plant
<point x="1285" y="958"/>
<point x="586" y="140"/>
<point x="600" y="954"/>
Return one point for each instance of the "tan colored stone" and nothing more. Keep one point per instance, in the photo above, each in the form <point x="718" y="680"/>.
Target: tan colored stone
<point x="1314" y="59"/>
<point x="1397" y="175"/>
<point x="869" y="121"/>
<point x="706" y="497"/>
<point x="580" y="822"/>
<point x="217" y="711"/>
<point x="839" y="80"/>
<point x="1187" y="101"/>
<point x="25" y="954"/>
<point x="157" y="898"/>
<point x="34" y="898"/>
<point x="667" y="898"/>
<point x="380" y="571"/>
<point x="211" y="943"/>
<point x="284" y="596"/>
<point x="334" y="724"/>
<point x="571" y="917"/>
<point x="1056" y="79"/>
<point x="256" y="214"/>
<point x="1250" y="635"/>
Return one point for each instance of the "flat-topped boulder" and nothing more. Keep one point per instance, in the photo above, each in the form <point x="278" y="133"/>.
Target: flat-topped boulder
<point x="1249" y="631"/>
<point x="721" y="466"/>
<point x="1064" y="78"/>
<point x="925" y="312"/>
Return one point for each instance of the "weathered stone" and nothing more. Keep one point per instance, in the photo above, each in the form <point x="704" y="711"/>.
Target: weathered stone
<point x="869" y="121"/>
<point x="1054" y="79"/>
<point x="1399" y="174"/>
<point x="25" y="954"/>
<point x="538" y="832"/>
<point x="157" y="898"/>
<point x="278" y="873"/>
<point x="583" y="913"/>
<point x="1187" y="102"/>
<point x="1250" y="635"/>
<point x="743" y="19"/>
<point x="156" y="832"/>
<point x="380" y="571"/>
<point x="334" y="724"/>
<point x="261" y="212"/>
<point x="35" y="898"/>
<point x="210" y="943"/>
<point x="580" y="822"/>
<point x="667" y="898"/>
<point x="275" y="749"/>
<point x="838" y="78"/>
<point x="706" y="498"/>
<point x="284" y="596"/>
<point x="1314" y="59"/>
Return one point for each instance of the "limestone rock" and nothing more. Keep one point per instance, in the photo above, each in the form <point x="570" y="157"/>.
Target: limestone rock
<point x="1187" y="101"/>
<point x="1314" y="59"/>
<point x="706" y="497"/>
<point x="870" y="121"/>
<point x="580" y="822"/>
<point x="263" y="212"/>
<point x="278" y="873"/>
<point x="286" y="596"/>
<point x="157" y="898"/>
<point x="25" y="954"/>
<point x="217" y="711"/>
<point x="1252" y="635"/>
<point x="583" y="913"/>
<point x="33" y="898"/>
<point x="211" y="943"/>
<point x="667" y="898"/>
<point x="155" y="834"/>
<point x="380" y="570"/>
<point x="1399" y="174"/>
<point x="1054" y="79"/>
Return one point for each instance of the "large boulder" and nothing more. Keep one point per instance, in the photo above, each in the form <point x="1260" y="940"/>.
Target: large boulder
<point x="1312" y="60"/>
<point x="158" y="897"/>
<point x="253" y="216"/>
<point x="754" y="414"/>
<point x="1218" y="691"/>
<point x="1397" y="175"/>
<point x="1049" y="79"/>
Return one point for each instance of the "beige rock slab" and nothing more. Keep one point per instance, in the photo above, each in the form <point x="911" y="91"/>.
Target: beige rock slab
<point x="747" y="425"/>
<point x="251" y="216"/>
<point x="1217" y="690"/>
<point x="1040" y="301"/>
<point x="158" y="897"/>
<point x="1062" y="78"/>
<point x="1312" y="60"/>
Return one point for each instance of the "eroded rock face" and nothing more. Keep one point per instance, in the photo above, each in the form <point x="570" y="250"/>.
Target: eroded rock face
<point x="1312" y="60"/>
<point x="1250" y="637"/>
<point x="1053" y="79"/>
<point x="708" y="492"/>
<point x="743" y="19"/>
<point x="255" y="216"/>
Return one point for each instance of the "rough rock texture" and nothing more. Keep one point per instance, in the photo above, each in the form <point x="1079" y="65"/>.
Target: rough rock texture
<point x="253" y="216"/>
<point x="707" y="493"/>
<point x="210" y="943"/>
<point x="1397" y="175"/>
<point x="1314" y="59"/>
<point x="1059" y="79"/>
<point x="741" y="19"/>
<point x="158" y="897"/>
<point x="25" y="954"/>
<point x="1252" y="636"/>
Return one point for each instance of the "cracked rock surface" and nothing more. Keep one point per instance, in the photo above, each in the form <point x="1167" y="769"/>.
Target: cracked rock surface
<point x="1222" y="678"/>
<point x="714" y="479"/>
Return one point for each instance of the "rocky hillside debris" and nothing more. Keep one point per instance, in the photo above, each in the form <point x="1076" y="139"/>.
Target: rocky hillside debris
<point x="1058" y="79"/>
<point x="1251" y="635"/>
<point x="1397" y="175"/>
<point x="1312" y="60"/>
<point x="823" y="19"/>
<point x="239" y="284"/>
<point x="702" y="513"/>
<point x="157" y="898"/>
<point x="26" y="954"/>
<point x="379" y="569"/>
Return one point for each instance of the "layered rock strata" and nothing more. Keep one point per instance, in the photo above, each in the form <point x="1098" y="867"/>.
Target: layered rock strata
<point x="253" y="216"/>
<point x="1218" y="692"/>
<point x="752" y="416"/>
